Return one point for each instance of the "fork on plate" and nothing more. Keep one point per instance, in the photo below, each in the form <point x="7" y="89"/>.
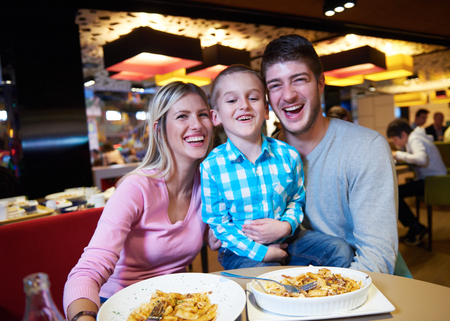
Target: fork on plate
<point x="157" y="312"/>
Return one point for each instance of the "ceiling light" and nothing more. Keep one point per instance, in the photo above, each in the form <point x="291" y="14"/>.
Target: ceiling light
<point x="180" y="75"/>
<point x="148" y="52"/>
<point x="349" y="4"/>
<point x="113" y="115"/>
<point x="396" y="66"/>
<point x="410" y="99"/>
<point x="359" y="61"/>
<point x="330" y="7"/>
<point x="216" y="58"/>
<point x="141" y="115"/>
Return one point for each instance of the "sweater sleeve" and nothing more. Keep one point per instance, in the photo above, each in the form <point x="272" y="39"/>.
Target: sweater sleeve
<point x="373" y="205"/>
<point x="99" y="258"/>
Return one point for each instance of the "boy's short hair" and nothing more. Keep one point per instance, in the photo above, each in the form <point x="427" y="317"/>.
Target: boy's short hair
<point x="215" y="87"/>
<point x="291" y="48"/>
<point x="396" y="127"/>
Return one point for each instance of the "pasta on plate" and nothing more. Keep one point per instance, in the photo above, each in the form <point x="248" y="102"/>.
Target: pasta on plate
<point x="178" y="307"/>
<point x="327" y="284"/>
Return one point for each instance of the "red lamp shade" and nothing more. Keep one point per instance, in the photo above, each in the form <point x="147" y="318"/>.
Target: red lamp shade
<point x="216" y="58"/>
<point x="359" y="61"/>
<point x="145" y="52"/>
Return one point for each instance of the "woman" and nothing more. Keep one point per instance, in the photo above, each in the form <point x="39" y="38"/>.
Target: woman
<point x="152" y="224"/>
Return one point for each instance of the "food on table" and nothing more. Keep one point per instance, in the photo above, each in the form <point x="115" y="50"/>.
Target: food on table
<point x="327" y="284"/>
<point x="178" y="307"/>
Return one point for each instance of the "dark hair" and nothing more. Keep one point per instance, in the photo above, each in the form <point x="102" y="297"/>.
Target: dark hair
<point x="396" y="127"/>
<point x="421" y="111"/>
<point x="339" y="112"/>
<point x="237" y="68"/>
<point x="291" y="48"/>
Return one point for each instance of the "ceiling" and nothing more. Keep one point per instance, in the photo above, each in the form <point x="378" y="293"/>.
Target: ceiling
<point x="402" y="26"/>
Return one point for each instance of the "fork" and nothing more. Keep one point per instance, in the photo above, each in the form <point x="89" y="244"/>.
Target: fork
<point x="289" y="288"/>
<point x="157" y="312"/>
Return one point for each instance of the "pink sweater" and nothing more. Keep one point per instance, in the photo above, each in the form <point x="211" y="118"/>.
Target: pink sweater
<point x="135" y="240"/>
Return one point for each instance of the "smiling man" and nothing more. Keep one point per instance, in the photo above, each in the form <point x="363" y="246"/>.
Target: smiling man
<point x="350" y="180"/>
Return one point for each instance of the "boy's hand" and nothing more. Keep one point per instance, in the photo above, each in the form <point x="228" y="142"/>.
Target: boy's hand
<point x="266" y="230"/>
<point x="275" y="253"/>
<point x="213" y="242"/>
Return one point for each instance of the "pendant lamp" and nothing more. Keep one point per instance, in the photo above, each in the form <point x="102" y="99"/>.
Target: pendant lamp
<point x="145" y="52"/>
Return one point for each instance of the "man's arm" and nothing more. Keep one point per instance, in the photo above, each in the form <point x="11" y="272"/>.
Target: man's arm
<point x="373" y="201"/>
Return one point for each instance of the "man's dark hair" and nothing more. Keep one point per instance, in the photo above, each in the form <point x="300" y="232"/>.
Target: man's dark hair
<point x="396" y="127"/>
<point x="421" y="111"/>
<point x="291" y="48"/>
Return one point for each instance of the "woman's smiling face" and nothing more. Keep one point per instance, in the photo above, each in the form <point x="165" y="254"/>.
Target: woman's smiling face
<point x="189" y="128"/>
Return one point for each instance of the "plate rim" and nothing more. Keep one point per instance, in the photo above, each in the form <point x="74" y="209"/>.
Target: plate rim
<point x="231" y="317"/>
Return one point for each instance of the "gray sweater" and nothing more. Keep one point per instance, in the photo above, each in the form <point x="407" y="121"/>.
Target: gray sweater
<point x="351" y="192"/>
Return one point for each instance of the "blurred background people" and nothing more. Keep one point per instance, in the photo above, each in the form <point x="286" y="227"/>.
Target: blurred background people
<point x="424" y="155"/>
<point x="111" y="156"/>
<point x="438" y="129"/>
<point x="340" y="112"/>
<point x="420" y="118"/>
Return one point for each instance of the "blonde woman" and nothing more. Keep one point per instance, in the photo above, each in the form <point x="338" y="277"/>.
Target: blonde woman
<point x="152" y="224"/>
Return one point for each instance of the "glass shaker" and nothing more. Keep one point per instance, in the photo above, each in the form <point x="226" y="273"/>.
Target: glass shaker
<point x="39" y="301"/>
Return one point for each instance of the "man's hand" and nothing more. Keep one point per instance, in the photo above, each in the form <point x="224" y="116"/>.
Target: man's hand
<point x="266" y="230"/>
<point x="276" y="253"/>
<point x="213" y="242"/>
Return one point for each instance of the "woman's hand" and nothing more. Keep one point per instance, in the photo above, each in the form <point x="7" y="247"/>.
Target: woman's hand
<point x="276" y="253"/>
<point x="266" y="230"/>
<point x="210" y="239"/>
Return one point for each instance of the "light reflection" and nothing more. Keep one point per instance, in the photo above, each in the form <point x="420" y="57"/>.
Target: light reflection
<point x="42" y="143"/>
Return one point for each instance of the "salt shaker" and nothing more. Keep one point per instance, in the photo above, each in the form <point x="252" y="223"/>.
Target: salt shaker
<point x="39" y="301"/>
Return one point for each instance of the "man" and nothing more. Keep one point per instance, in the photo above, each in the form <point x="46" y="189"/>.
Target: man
<point x="350" y="180"/>
<point x="437" y="130"/>
<point x="420" y="118"/>
<point x="423" y="154"/>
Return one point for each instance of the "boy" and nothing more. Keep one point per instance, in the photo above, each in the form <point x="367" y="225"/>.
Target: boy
<point x="421" y="152"/>
<point x="252" y="186"/>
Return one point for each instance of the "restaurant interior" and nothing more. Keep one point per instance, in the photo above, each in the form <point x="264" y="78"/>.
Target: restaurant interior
<point x="68" y="99"/>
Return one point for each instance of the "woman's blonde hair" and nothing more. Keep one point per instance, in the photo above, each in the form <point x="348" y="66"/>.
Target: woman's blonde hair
<point x="158" y="156"/>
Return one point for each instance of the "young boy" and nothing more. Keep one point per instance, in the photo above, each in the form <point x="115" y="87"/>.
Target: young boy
<point x="252" y="186"/>
<point x="423" y="153"/>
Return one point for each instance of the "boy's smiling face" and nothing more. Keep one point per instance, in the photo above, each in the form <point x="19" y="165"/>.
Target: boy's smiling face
<point x="242" y="106"/>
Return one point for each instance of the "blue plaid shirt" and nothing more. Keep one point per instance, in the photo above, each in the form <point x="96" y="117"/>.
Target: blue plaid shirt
<point x="236" y="191"/>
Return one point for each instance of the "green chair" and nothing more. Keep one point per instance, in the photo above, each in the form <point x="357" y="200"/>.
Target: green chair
<point x="444" y="149"/>
<point x="401" y="269"/>
<point x="437" y="193"/>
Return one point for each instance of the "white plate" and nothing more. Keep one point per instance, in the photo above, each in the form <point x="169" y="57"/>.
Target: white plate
<point x="69" y="195"/>
<point x="229" y="295"/>
<point x="376" y="303"/>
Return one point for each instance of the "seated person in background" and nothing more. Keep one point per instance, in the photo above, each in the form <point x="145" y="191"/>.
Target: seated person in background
<point x="152" y="224"/>
<point x="421" y="152"/>
<point x="420" y="118"/>
<point x="252" y="186"/>
<point x="350" y="185"/>
<point x="111" y="156"/>
<point x="437" y="130"/>
<point x="339" y="112"/>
